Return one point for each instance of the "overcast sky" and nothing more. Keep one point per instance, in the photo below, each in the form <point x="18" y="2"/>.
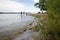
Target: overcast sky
<point x="18" y="5"/>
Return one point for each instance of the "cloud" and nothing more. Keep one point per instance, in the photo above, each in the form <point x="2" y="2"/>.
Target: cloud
<point x="36" y="1"/>
<point x="13" y="6"/>
<point x="10" y="5"/>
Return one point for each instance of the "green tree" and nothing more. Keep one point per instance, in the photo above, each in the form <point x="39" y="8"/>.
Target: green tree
<point x="41" y="5"/>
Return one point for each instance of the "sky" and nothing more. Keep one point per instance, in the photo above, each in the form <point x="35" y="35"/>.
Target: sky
<point x="18" y="6"/>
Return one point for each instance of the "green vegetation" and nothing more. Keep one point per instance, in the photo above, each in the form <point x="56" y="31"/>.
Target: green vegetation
<point x="49" y="25"/>
<point x="53" y="23"/>
<point x="42" y="19"/>
<point x="41" y="5"/>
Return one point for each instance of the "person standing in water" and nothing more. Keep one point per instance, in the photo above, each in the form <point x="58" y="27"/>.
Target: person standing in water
<point x="21" y="15"/>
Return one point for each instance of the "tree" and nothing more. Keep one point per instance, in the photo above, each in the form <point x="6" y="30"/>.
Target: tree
<point x="41" y="5"/>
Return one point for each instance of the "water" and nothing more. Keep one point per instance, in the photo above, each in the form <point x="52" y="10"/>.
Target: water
<point x="9" y="20"/>
<point x="25" y="36"/>
<point x="14" y="22"/>
<point x="6" y="19"/>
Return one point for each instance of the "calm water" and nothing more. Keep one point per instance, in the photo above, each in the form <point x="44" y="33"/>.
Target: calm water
<point x="10" y="21"/>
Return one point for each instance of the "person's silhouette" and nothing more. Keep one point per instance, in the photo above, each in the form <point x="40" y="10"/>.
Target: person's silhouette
<point x="21" y="15"/>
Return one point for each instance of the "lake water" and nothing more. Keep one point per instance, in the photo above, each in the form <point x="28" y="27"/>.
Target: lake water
<point x="11" y="21"/>
<point x="11" y="25"/>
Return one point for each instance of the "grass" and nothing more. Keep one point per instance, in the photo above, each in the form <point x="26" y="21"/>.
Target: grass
<point x="41" y="27"/>
<point x="48" y="29"/>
